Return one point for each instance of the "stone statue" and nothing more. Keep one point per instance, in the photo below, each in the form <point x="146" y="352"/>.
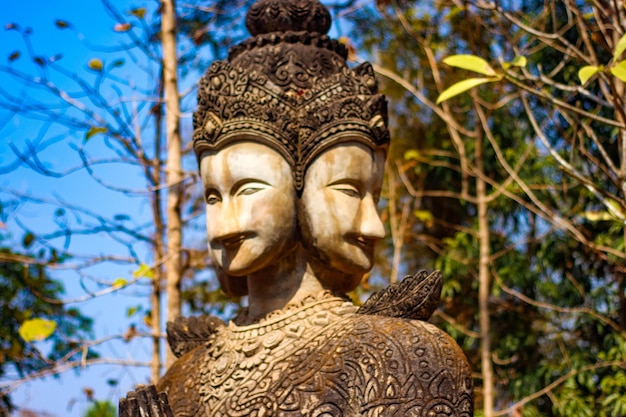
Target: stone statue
<point x="291" y="145"/>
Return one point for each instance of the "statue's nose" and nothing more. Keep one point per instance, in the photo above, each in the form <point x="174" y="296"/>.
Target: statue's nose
<point x="225" y="226"/>
<point x="371" y="225"/>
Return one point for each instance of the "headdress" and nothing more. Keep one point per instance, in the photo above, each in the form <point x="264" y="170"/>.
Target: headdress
<point x="289" y="87"/>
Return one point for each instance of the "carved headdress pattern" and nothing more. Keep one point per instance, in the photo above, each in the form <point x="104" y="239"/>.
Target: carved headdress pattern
<point x="289" y="87"/>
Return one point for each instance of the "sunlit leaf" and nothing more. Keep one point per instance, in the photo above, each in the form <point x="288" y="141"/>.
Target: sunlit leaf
<point x="37" y="329"/>
<point x="15" y="55"/>
<point x="598" y="216"/>
<point x="519" y="61"/>
<point x="411" y="154"/>
<point x="461" y="87"/>
<point x="11" y="26"/>
<point x="138" y="12"/>
<point x="95" y="64"/>
<point x="62" y="24"/>
<point x="587" y="72"/>
<point x="144" y="271"/>
<point x="94" y="130"/>
<point x="425" y="217"/>
<point x="119" y="282"/>
<point x="471" y="63"/>
<point x="122" y="27"/>
<point x="620" y="48"/>
<point x="619" y="71"/>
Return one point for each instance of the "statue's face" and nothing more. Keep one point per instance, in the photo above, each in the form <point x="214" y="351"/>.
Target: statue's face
<point x="250" y="207"/>
<point x="338" y="206"/>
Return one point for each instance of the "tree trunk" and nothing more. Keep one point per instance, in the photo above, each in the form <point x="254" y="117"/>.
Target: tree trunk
<point x="484" y="284"/>
<point x="173" y="169"/>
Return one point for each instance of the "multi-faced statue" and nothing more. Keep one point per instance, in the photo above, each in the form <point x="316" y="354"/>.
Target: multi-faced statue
<point x="291" y="145"/>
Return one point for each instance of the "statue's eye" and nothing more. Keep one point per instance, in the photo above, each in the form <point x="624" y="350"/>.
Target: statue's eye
<point x="248" y="187"/>
<point x="212" y="198"/>
<point x="348" y="189"/>
<point x="249" y="190"/>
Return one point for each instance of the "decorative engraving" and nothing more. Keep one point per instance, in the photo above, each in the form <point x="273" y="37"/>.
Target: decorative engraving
<point x="291" y="146"/>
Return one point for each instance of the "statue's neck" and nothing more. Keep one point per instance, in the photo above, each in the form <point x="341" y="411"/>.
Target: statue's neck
<point x="286" y="282"/>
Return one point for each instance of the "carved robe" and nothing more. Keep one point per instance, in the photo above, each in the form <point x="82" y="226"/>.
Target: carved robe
<point x="322" y="358"/>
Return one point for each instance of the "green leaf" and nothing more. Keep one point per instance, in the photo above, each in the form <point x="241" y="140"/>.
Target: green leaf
<point x="28" y="239"/>
<point x="130" y="311"/>
<point x="119" y="283"/>
<point x="95" y="64"/>
<point x="117" y="63"/>
<point x="94" y="130"/>
<point x="619" y="70"/>
<point x="139" y="12"/>
<point x="587" y="72"/>
<point x="471" y="63"/>
<point x="36" y="329"/>
<point x="619" y="49"/>
<point x="144" y="271"/>
<point x="461" y="87"/>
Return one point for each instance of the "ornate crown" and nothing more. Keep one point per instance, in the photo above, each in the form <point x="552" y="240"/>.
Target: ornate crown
<point x="289" y="87"/>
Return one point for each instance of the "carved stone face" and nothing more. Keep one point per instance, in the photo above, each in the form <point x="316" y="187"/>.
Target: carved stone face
<point x="338" y="207"/>
<point x="250" y="207"/>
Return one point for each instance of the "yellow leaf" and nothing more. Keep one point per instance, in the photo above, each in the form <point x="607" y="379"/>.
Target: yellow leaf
<point x="598" y="216"/>
<point x="587" y="72"/>
<point x="139" y="12"/>
<point x="461" y="87"/>
<point x="119" y="282"/>
<point x="619" y="49"/>
<point x="95" y="64"/>
<point x="619" y="71"/>
<point x="425" y="217"/>
<point x="519" y="61"/>
<point x="36" y="329"/>
<point x="411" y="154"/>
<point x="144" y="271"/>
<point x="94" y="130"/>
<point x="471" y="63"/>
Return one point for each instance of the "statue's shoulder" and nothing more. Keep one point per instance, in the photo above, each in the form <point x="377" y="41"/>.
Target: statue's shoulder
<point x="414" y="364"/>
<point x="180" y="383"/>
<point x="190" y="339"/>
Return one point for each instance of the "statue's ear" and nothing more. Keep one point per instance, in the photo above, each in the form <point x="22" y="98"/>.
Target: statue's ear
<point x="232" y="286"/>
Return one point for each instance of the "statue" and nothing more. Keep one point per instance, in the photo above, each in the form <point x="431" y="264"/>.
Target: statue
<point x="291" y="145"/>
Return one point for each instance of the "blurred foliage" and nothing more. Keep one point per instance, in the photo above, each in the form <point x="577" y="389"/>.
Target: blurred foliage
<point x="556" y="302"/>
<point x="28" y="292"/>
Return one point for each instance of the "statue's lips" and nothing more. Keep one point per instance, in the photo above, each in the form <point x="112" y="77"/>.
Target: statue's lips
<point x="363" y="242"/>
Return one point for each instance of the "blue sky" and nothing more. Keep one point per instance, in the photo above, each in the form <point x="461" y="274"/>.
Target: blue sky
<point x="91" y="29"/>
<point x="64" y="396"/>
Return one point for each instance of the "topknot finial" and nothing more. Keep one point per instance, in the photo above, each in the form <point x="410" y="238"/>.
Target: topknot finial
<point x="267" y="16"/>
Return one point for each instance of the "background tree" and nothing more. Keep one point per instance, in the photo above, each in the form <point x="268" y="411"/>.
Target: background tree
<point x="514" y="189"/>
